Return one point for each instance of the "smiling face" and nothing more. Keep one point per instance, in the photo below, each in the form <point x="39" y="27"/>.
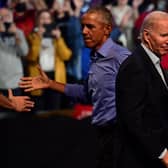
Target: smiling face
<point x="95" y="31"/>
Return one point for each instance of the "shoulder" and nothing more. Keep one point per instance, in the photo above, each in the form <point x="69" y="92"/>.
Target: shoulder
<point x="134" y="62"/>
<point x="119" y="53"/>
<point x="20" y="32"/>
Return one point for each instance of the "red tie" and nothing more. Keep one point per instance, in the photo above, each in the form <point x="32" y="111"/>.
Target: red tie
<point x="164" y="66"/>
<point x="164" y="61"/>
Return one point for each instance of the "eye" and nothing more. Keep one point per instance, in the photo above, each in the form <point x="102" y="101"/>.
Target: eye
<point x="89" y="26"/>
<point x="164" y="35"/>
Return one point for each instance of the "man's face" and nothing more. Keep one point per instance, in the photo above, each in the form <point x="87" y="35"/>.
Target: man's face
<point x="5" y="15"/>
<point x="94" y="31"/>
<point x="157" y="38"/>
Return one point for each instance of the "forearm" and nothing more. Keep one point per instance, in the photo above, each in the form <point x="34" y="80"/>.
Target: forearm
<point x="5" y="102"/>
<point x="56" y="86"/>
<point x="72" y="90"/>
<point x="135" y="13"/>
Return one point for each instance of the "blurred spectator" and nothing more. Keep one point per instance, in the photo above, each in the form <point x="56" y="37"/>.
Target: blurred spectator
<point x="47" y="48"/>
<point x="67" y="13"/>
<point x="31" y="4"/>
<point x="24" y="17"/>
<point x="125" y="16"/>
<point x="37" y="4"/>
<point x="3" y="3"/>
<point x="137" y="26"/>
<point x="75" y="41"/>
<point x="147" y="5"/>
<point x="13" y="46"/>
<point x="95" y="2"/>
<point x="117" y="34"/>
<point x="162" y="5"/>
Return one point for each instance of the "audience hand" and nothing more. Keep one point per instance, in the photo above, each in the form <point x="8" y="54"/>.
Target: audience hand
<point x="136" y="3"/>
<point x="126" y="19"/>
<point x="12" y="28"/>
<point x="56" y="33"/>
<point x="34" y="83"/>
<point x="20" y="103"/>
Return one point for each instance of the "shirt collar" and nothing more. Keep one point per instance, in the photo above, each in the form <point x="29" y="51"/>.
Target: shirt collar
<point x="151" y="55"/>
<point x="104" y="49"/>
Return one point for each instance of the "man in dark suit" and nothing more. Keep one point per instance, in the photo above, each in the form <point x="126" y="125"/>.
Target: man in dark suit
<point x="142" y="100"/>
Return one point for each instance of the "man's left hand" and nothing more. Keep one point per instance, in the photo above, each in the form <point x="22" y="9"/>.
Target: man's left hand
<point x="20" y="103"/>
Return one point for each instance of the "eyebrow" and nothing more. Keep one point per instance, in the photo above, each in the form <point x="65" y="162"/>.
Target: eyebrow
<point x="164" y="34"/>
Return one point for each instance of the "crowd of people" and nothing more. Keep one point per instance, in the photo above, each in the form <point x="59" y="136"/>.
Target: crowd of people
<point x="48" y="33"/>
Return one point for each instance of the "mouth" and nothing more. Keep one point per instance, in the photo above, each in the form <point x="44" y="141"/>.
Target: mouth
<point x="166" y="49"/>
<point x="87" y="40"/>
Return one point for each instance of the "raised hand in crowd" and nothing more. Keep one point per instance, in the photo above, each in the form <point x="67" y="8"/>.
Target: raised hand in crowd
<point x="38" y="4"/>
<point x="136" y="3"/>
<point x="56" y="33"/>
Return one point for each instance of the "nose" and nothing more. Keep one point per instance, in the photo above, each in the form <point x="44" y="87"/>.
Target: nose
<point x="167" y="41"/>
<point x="84" y="30"/>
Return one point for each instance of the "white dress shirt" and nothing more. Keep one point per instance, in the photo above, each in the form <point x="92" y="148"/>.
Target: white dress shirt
<point x="156" y="62"/>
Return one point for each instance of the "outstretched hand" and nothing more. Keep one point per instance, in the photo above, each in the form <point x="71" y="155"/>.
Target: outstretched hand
<point x="20" y="103"/>
<point x="34" y="83"/>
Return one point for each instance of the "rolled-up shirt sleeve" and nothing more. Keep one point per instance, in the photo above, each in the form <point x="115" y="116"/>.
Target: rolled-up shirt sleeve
<point x="77" y="92"/>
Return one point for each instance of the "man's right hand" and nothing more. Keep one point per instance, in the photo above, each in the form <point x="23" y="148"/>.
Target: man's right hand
<point x="33" y="83"/>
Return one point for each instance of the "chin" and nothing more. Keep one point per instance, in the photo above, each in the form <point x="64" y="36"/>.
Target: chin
<point x="88" y="45"/>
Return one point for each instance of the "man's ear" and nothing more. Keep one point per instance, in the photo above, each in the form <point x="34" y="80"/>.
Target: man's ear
<point x="108" y="29"/>
<point x="146" y="36"/>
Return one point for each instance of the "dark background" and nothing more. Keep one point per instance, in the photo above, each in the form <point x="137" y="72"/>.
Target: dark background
<point x="56" y="141"/>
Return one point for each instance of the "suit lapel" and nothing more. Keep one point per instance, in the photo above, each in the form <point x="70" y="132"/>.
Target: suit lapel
<point x="150" y="66"/>
<point x="165" y="74"/>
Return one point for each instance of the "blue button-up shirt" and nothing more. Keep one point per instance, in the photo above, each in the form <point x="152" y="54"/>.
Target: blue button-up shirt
<point x="100" y="86"/>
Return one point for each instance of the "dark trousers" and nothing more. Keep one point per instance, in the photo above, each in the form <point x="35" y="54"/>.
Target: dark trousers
<point x="106" y="138"/>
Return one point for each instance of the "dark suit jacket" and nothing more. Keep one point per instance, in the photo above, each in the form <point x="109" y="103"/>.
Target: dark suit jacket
<point x="142" y="112"/>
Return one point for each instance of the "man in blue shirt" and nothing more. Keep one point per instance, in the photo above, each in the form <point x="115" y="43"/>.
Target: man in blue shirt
<point x="106" y="58"/>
